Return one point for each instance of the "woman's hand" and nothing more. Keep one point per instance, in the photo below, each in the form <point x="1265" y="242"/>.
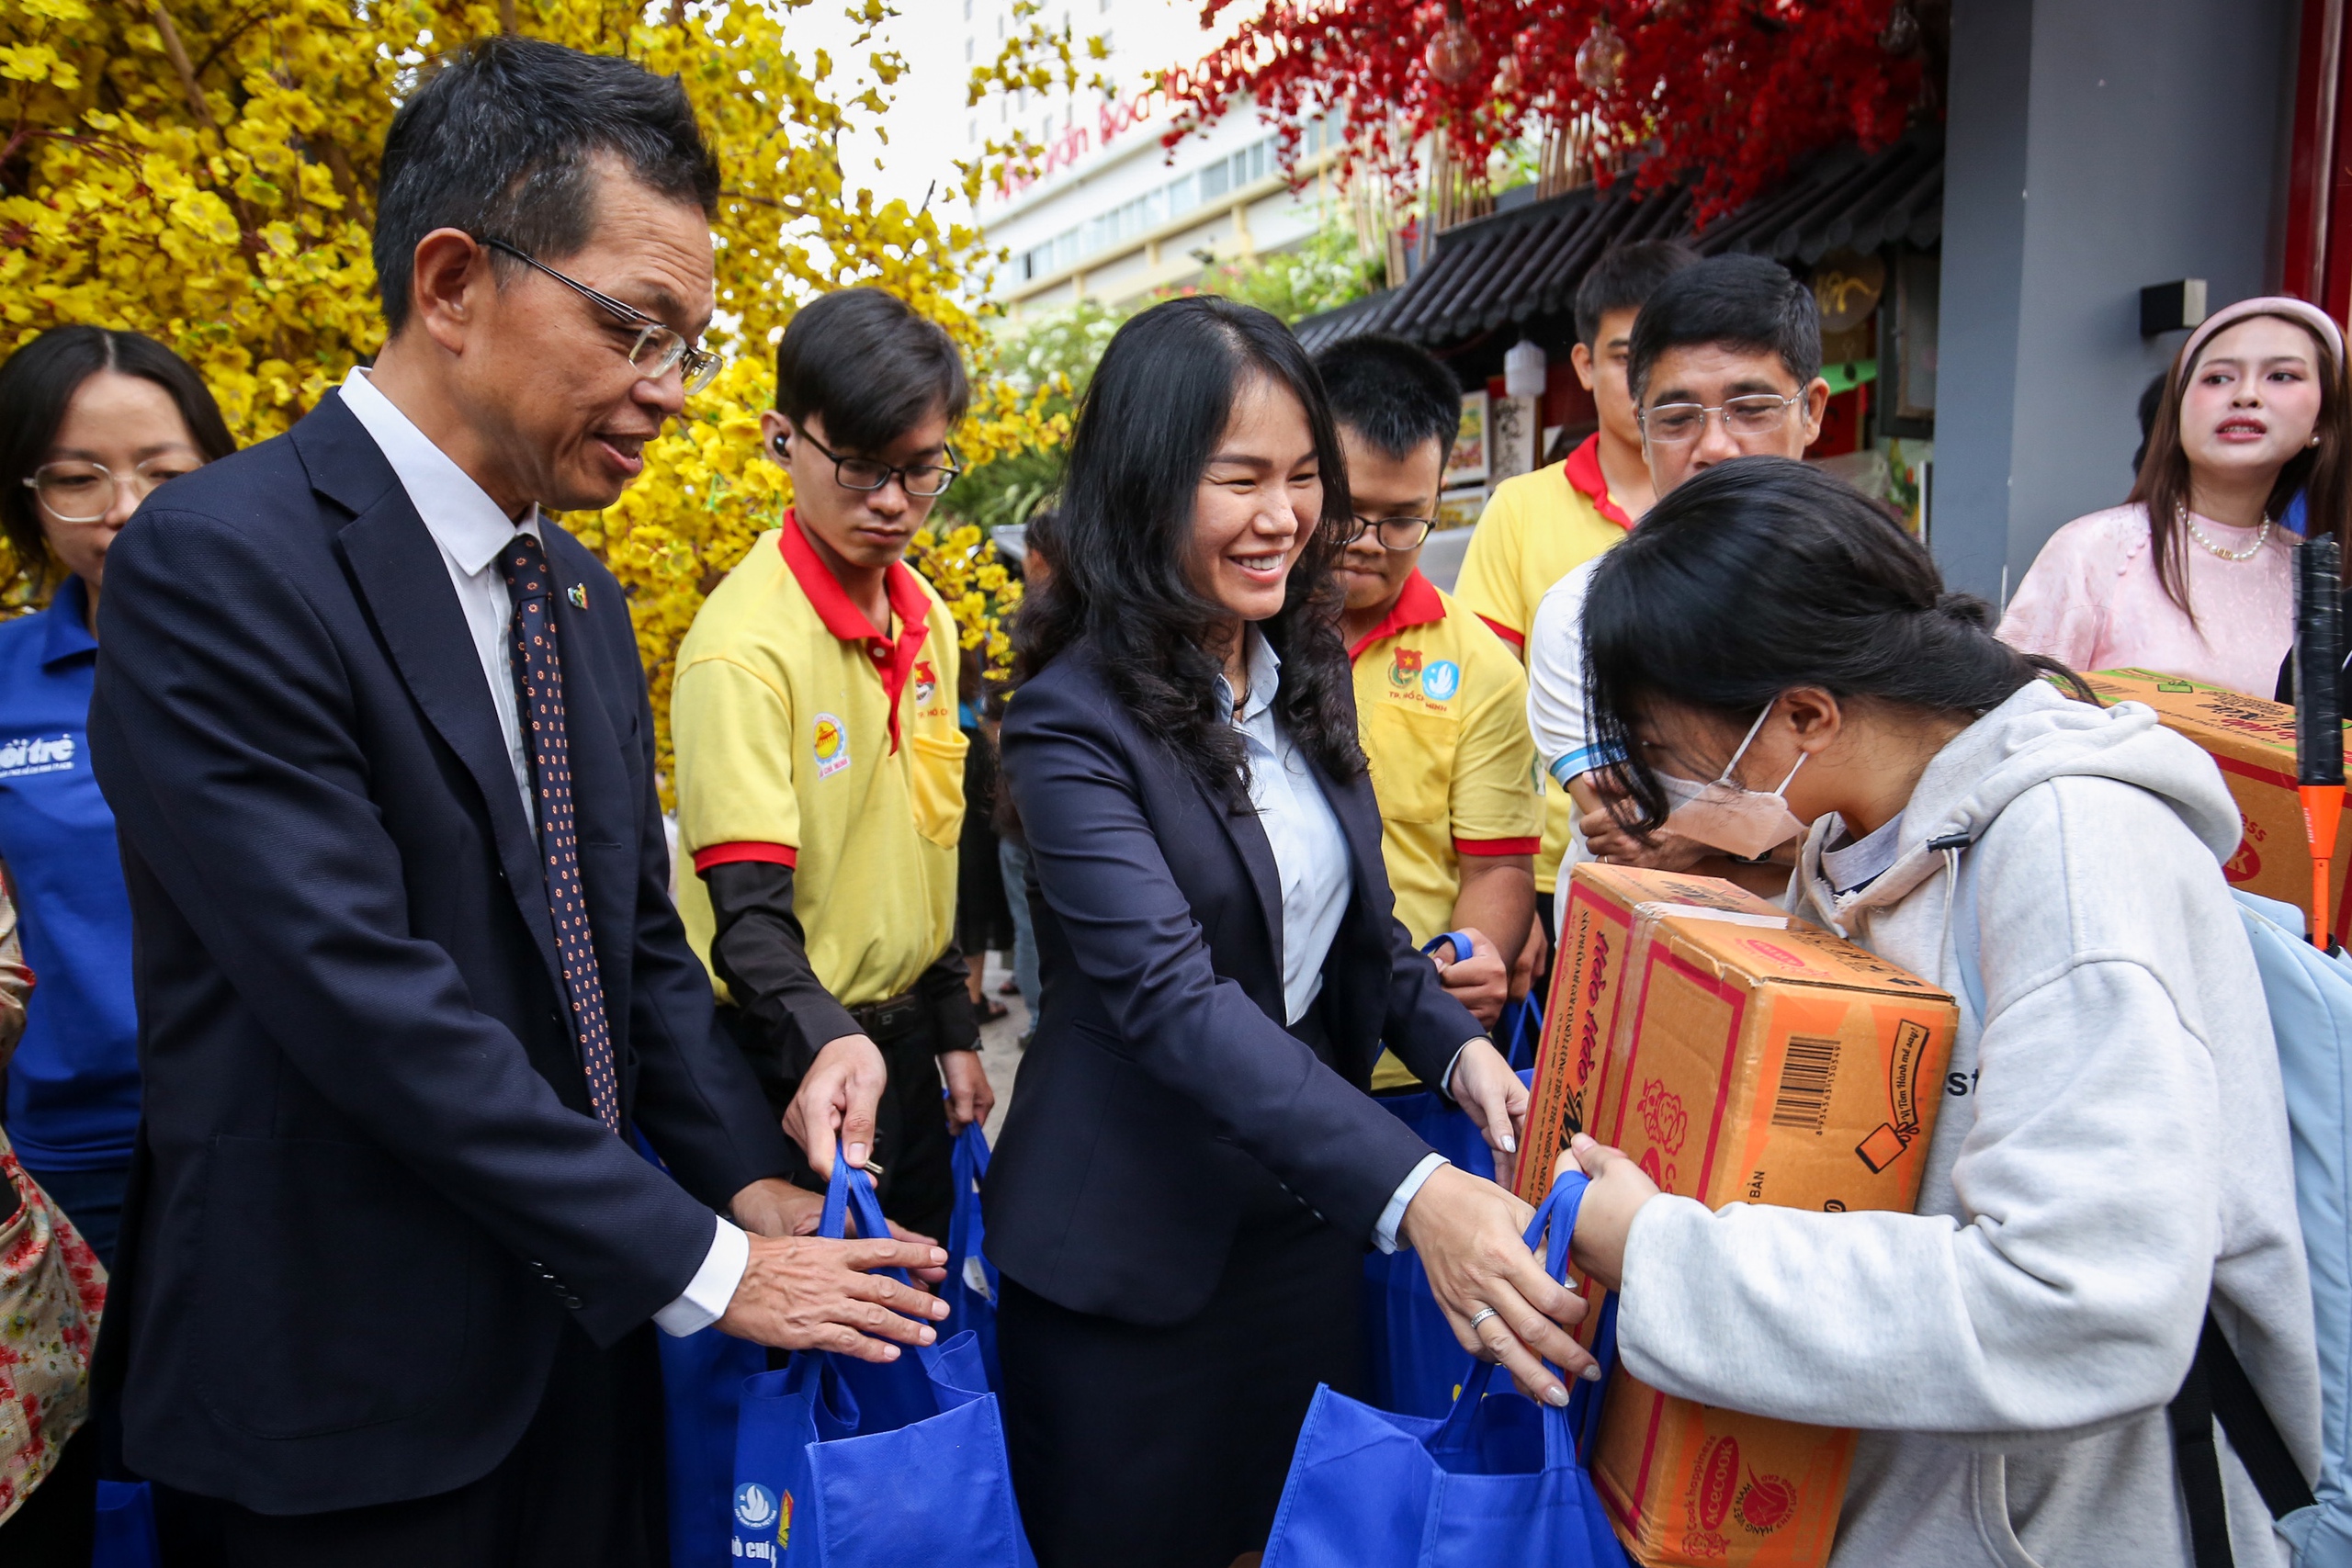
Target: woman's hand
<point x="1485" y="1088"/>
<point x="1469" y="1233"/>
<point x="1619" y="1189"/>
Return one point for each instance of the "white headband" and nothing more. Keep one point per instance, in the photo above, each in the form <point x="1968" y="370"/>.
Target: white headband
<point x="2308" y="314"/>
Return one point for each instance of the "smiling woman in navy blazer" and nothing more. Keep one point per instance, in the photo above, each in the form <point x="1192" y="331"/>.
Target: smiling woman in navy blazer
<point x="1190" y="1170"/>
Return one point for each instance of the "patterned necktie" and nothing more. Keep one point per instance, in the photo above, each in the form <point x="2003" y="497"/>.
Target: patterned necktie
<point x="538" y="678"/>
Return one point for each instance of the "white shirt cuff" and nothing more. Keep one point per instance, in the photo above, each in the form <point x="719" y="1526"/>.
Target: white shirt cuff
<point x="712" y="1286"/>
<point x="1384" y="1235"/>
<point x="1445" y="1090"/>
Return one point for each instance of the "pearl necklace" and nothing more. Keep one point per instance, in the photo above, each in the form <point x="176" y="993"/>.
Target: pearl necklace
<point x="2248" y="553"/>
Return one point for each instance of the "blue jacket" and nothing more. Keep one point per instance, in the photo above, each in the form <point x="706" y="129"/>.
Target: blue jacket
<point x="371" y="1191"/>
<point x="1162" y="1099"/>
<point x="74" y="1086"/>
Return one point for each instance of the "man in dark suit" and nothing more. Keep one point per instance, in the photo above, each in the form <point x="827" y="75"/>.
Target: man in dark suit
<point x="376" y="737"/>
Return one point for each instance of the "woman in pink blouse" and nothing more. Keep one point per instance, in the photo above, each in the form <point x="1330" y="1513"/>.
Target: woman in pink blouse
<point x="2193" y="575"/>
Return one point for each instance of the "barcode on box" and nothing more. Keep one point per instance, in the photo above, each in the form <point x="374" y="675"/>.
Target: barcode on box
<point x="1807" y="1075"/>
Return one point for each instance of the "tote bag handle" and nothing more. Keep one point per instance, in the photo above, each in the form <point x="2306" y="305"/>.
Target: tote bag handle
<point x="1556" y="1222"/>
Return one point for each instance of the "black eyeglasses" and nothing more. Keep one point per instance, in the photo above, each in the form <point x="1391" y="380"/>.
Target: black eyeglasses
<point x="1396" y="532"/>
<point x="922" y="480"/>
<point x="657" y="348"/>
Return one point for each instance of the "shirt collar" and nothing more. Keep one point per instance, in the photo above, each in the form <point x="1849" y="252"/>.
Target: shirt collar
<point x="66" y="633"/>
<point x="1583" y="469"/>
<point x="894" y="660"/>
<point x="1265" y="680"/>
<point x="467" y="525"/>
<point x="1418" y="604"/>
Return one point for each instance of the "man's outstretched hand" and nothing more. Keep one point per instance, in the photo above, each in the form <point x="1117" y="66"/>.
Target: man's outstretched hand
<point x="837" y="1100"/>
<point x="807" y="1293"/>
<point x="775" y="1207"/>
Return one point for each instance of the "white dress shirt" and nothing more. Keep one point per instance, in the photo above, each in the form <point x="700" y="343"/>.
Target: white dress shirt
<point x="1312" y="863"/>
<point x="469" y="530"/>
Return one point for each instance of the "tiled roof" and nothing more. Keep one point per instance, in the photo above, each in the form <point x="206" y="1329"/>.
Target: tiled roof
<point x="1525" y="263"/>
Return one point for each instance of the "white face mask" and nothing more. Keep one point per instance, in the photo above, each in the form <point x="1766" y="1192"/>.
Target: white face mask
<point x="1728" y="816"/>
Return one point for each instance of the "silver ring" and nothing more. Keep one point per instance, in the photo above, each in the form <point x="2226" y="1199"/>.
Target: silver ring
<point x="1484" y="1313"/>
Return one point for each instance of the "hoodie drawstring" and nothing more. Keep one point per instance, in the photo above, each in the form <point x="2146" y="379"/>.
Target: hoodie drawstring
<point x="1949" y="846"/>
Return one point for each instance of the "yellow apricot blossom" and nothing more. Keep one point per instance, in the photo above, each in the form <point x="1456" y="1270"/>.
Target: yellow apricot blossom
<point x="204" y="171"/>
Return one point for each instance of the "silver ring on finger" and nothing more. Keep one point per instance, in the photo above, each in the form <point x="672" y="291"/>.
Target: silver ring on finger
<point x="1482" y="1314"/>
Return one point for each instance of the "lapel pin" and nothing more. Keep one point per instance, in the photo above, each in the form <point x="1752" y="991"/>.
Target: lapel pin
<point x="578" y="594"/>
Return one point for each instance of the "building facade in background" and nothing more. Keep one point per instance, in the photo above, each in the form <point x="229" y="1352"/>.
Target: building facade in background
<point x="1113" y="215"/>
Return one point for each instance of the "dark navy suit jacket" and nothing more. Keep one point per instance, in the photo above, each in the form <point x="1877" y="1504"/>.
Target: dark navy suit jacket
<point x="371" y="1189"/>
<point x="1162" y="1099"/>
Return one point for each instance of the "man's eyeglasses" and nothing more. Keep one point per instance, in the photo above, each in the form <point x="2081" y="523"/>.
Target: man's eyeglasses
<point x="1678" y="424"/>
<point x="78" y="492"/>
<point x="1394" y="533"/>
<point x="657" y="348"/>
<point x="922" y="480"/>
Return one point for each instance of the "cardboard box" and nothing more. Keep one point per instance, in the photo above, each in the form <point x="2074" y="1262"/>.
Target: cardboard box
<point x="1739" y="1056"/>
<point x="2253" y="742"/>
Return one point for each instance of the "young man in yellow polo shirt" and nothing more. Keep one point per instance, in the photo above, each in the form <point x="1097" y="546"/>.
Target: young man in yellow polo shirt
<point x="1539" y="526"/>
<point x="1441" y="704"/>
<point x="820" y="771"/>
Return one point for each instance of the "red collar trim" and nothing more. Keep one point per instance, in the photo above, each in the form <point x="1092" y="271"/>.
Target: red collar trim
<point x="1584" y="472"/>
<point x="893" y="661"/>
<point x="1418" y="605"/>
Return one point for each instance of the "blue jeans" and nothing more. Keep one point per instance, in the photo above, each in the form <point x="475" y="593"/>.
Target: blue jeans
<point x="1012" y="860"/>
<point x="92" y="1199"/>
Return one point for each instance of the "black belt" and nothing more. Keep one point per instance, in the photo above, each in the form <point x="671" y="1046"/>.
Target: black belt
<point x="898" y="1018"/>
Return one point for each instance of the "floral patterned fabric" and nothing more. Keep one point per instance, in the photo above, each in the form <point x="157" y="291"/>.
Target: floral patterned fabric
<point x="53" y="1289"/>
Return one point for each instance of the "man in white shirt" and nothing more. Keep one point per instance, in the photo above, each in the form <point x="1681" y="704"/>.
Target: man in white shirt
<point x="411" y="985"/>
<point x="1723" y="362"/>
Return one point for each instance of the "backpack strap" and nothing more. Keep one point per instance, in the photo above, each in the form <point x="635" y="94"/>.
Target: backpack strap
<point x="2197" y="1462"/>
<point x="2252" y="1432"/>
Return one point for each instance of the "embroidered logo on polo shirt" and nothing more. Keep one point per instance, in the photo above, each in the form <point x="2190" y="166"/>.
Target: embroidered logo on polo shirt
<point x="926" y="682"/>
<point x="831" y="746"/>
<point x="1404" y="668"/>
<point x="28" y="754"/>
<point x="1440" y="680"/>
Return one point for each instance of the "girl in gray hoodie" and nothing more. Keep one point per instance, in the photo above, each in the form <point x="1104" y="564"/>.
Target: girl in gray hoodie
<point x="2113" y="1152"/>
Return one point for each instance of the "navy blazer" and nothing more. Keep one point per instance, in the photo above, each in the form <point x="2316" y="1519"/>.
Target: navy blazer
<point x="371" y="1186"/>
<point x="1162" y="1099"/>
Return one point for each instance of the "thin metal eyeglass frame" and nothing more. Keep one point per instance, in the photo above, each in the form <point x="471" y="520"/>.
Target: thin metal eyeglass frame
<point x="890" y="471"/>
<point x="114" y="489"/>
<point x="696" y="368"/>
<point x="1366" y="526"/>
<point x="1705" y="410"/>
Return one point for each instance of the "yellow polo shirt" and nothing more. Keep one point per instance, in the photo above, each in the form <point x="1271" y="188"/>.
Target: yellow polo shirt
<point x="807" y="737"/>
<point x="1536" y="529"/>
<point x="1441" y="710"/>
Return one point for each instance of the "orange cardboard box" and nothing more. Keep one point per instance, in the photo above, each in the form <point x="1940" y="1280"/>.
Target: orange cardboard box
<point x="2253" y="742"/>
<point x="1739" y="1056"/>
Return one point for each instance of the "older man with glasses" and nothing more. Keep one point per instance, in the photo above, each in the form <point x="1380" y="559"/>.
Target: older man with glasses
<point x="1440" y="699"/>
<point x="411" y="986"/>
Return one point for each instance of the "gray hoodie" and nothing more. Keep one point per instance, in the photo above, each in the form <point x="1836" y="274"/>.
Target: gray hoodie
<point x="2112" y="1148"/>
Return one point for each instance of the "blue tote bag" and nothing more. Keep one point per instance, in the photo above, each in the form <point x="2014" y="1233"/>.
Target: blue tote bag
<point x="1413" y="1363"/>
<point x="1495" y="1480"/>
<point x="971" y="1288"/>
<point x="843" y="1464"/>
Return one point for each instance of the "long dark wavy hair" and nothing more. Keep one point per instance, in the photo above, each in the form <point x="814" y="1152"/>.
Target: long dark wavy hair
<point x="1121" y="540"/>
<point x="2322" y="473"/>
<point x="1764" y="574"/>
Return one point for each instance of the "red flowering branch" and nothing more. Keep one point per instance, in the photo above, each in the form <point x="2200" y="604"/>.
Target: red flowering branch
<point x="1723" y="94"/>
